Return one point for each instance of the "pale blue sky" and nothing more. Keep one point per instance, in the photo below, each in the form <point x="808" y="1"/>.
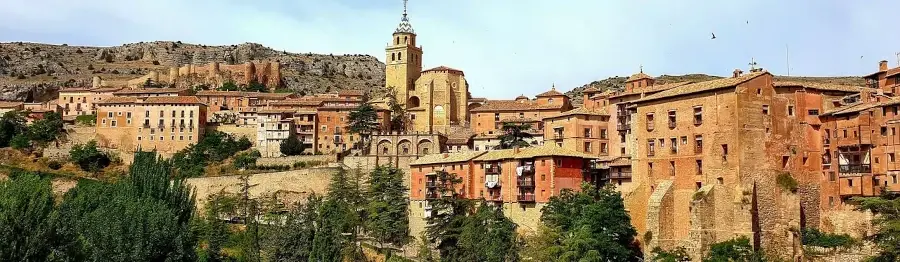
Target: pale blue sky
<point x="506" y="47"/>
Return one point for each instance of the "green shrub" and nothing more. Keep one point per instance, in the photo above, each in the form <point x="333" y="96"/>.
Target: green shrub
<point x="814" y="237"/>
<point x="87" y="120"/>
<point x="89" y="157"/>
<point x="246" y="159"/>
<point x="20" y="141"/>
<point x="787" y="182"/>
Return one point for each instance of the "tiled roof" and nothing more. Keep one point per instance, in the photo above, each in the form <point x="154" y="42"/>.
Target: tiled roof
<point x="10" y="104"/>
<point x="512" y="105"/>
<point x="822" y="86"/>
<point x="477" y="100"/>
<point x="637" y="76"/>
<point x="75" y="90"/>
<point x="459" y="135"/>
<point x="244" y="94"/>
<point x="580" y="111"/>
<point x="652" y="89"/>
<point x="172" y="100"/>
<point x="892" y="72"/>
<point x="118" y="100"/>
<point x="517" y="120"/>
<point x="446" y="158"/>
<point x="531" y="152"/>
<point x="552" y="92"/>
<point x="521" y="97"/>
<point x="276" y="111"/>
<point x="444" y="68"/>
<point x="150" y="91"/>
<point x="351" y="93"/>
<point x="860" y="106"/>
<point x="297" y="102"/>
<point x="106" y="89"/>
<point x="702" y="86"/>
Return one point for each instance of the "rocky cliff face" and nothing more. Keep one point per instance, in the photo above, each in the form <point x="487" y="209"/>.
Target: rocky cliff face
<point x="31" y="71"/>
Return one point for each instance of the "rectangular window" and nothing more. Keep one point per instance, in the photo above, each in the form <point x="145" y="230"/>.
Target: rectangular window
<point x="650" y="122"/>
<point x="891" y="157"/>
<point x="698" y="115"/>
<point x="587" y="132"/>
<point x="672" y="119"/>
<point x="673" y="144"/>
<point x="831" y="176"/>
<point x="662" y="143"/>
<point x="650" y="168"/>
<point x="850" y="182"/>
<point x="113" y="123"/>
<point x="603" y="148"/>
<point x="698" y="144"/>
<point x="765" y="109"/>
<point x="671" y="168"/>
<point x="724" y="152"/>
<point x="813" y="112"/>
<point x="790" y="110"/>
<point x="651" y="149"/>
<point x="699" y="167"/>
<point x="587" y="147"/>
<point x="684" y="140"/>
<point x="884" y="131"/>
<point x="109" y="114"/>
<point x="603" y="133"/>
<point x="496" y="117"/>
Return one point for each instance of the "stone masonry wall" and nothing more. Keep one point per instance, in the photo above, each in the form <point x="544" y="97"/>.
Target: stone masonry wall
<point x="290" y="160"/>
<point x="295" y="184"/>
<point x="659" y="217"/>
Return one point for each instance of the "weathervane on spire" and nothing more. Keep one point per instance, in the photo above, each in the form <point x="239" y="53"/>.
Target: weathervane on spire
<point x="405" y="26"/>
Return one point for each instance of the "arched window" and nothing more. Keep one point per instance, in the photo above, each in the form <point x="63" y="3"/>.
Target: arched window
<point x="405" y="40"/>
<point x="393" y="56"/>
<point x="400" y="56"/>
<point x="397" y="41"/>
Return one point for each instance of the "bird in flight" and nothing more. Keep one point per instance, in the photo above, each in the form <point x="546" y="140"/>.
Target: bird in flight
<point x="713" y="35"/>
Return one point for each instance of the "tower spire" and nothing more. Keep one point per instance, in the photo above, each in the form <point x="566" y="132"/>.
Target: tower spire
<point x="405" y="26"/>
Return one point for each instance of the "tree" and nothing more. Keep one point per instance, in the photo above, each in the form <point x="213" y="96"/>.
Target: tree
<point x="213" y="231"/>
<point x="488" y="235"/>
<point x="678" y="254"/>
<point x="20" y="141"/>
<point x="399" y="118"/>
<point x="255" y="86"/>
<point x="142" y="217"/>
<point x="292" y="146"/>
<point x="448" y="216"/>
<point x="514" y="135"/>
<point x="387" y="218"/>
<point x="294" y="240"/>
<point x="26" y="214"/>
<point x="593" y="224"/>
<point x="246" y="159"/>
<point x="735" y="250"/>
<point x="215" y="146"/>
<point x="887" y="234"/>
<point x="89" y="157"/>
<point x="363" y="120"/>
<point x="228" y="86"/>
<point x="47" y="129"/>
<point x="12" y="123"/>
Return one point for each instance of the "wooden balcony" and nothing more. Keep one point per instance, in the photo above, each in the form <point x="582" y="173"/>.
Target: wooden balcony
<point x="493" y="169"/>
<point x="855" y="168"/>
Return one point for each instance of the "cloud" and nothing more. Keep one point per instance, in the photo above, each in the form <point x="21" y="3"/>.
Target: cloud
<point x="506" y="47"/>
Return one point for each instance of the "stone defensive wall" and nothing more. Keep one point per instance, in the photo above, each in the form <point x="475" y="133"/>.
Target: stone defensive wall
<point x="289" y="187"/>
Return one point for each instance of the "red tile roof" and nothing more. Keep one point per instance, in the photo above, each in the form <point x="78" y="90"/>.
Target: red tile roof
<point x="10" y="104"/>
<point x="637" y="76"/>
<point x="172" y="100"/>
<point x="444" y="68"/>
<point x="512" y="105"/>
<point x="351" y="93"/>
<point x="75" y="90"/>
<point x="150" y="91"/>
<point x="590" y="90"/>
<point x="118" y="100"/>
<point x="580" y="111"/>
<point x="552" y="92"/>
<point x="106" y="89"/>
<point x="823" y="86"/>
<point x="244" y="94"/>
<point x="703" y="86"/>
<point x="652" y="89"/>
<point x="297" y="102"/>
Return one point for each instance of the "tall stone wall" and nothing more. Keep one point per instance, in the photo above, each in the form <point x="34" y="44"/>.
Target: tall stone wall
<point x="660" y="217"/>
<point x="213" y="74"/>
<point x="290" y="160"/>
<point x="290" y="186"/>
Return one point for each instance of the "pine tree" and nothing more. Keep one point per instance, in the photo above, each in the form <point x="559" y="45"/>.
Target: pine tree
<point x="387" y="218"/>
<point x="292" y="146"/>
<point x="363" y="120"/>
<point x="26" y="214"/>
<point x="449" y="214"/>
<point x="514" y="135"/>
<point x="399" y="118"/>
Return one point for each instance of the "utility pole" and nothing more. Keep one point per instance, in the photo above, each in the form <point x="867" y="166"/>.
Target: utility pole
<point x="787" y="56"/>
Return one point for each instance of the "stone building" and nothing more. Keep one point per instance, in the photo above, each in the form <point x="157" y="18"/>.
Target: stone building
<point x="164" y="124"/>
<point x="488" y="118"/>
<point x="8" y="106"/>
<point x="151" y="92"/>
<point x="520" y="180"/>
<point x="82" y="101"/>
<point x="885" y="79"/>
<point x="435" y="99"/>
<point x="237" y="100"/>
<point x="274" y="126"/>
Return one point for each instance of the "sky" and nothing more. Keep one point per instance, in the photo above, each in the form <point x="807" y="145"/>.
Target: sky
<point x="505" y="47"/>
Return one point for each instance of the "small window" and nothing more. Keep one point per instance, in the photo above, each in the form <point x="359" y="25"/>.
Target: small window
<point x="699" y="167"/>
<point x="109" y="114"/>
<point x="765" y="109"/>
<point x="850" y="182"/>
<point x="813" y="112"/>
<point x="790" y="110"/>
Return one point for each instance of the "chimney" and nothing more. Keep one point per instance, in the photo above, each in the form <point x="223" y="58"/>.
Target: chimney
<point x="882" y="66"/>
<point x="737" y="73"/>
<point x="516" y="149"/>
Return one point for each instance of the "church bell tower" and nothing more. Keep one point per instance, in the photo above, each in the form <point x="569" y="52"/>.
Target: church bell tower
<point x="403" y="61"/>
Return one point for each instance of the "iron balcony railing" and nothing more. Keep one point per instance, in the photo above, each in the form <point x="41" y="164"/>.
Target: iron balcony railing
<point x="857" y="168"/>
<point x="492" y="169"/>
<point x="525" y="197"/>
<point x="431" y="184"/>
<point x="525" y="182"/>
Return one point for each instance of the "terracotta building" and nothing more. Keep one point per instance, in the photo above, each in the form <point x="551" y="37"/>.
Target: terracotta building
<point x="164" y="124"/>
<point x="152" y="92"/>
<point x="885" y="79"/>
<point x="521" y="180"/>
<point x="236" y="100"/>
<point x="81" y="101"/>
<point x="487" y="119"/>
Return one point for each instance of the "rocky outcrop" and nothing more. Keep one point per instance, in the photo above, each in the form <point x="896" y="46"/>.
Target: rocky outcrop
<point x="36" y="71"/>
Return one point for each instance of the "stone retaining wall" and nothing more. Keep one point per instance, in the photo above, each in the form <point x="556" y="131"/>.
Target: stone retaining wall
<point x="290" y="160"/>
<point x="290" y="186"/>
